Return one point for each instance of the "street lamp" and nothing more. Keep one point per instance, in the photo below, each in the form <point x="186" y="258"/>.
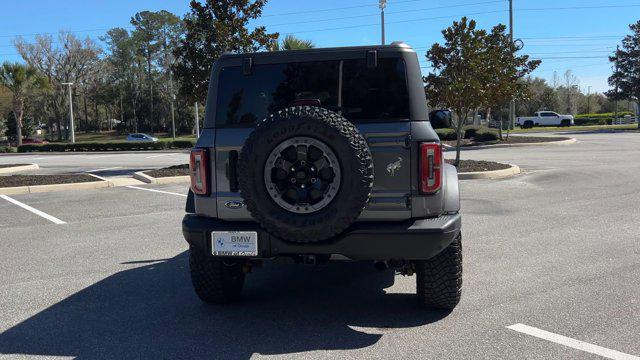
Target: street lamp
<point x="382" y="4"/>
<point x="72" y="128"/>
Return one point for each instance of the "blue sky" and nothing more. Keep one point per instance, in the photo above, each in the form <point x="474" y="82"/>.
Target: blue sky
<point x="566" y="34"/>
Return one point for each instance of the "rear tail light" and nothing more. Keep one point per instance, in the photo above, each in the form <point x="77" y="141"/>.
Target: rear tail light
<point x="198" y="169"/>
<point x="430" y="167"/>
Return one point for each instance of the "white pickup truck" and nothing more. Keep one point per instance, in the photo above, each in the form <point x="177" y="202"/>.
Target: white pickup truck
<point x="545" y="118"/>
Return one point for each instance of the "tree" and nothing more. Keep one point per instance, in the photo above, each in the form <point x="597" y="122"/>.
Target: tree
<point x="20" y="80"/>
<point x="213" y="28"/>
<point x="569" y="93"/>
<point x="154" y="35"/>
<point x="626" y="76"/>
<point x="69" y="60"/>
<point x="8" y="127"/>
<point x="541" y="97"/>
<point x="474" y="69"/>
<point x="504" y="70"/>
<point x="291" y="42"/>
<point x="457" y="79"/>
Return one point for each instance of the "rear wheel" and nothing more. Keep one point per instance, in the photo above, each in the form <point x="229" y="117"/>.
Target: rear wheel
<point x="565" y="123"/>
<point x="215" y="280"/>
<point x="439" y="279"/>
<point x="527" y="125"/>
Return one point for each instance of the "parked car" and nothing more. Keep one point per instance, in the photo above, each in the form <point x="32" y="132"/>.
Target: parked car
<point x="337" y="161"/>
<point x="545" y="118"/>
<point x="141" y="137"/>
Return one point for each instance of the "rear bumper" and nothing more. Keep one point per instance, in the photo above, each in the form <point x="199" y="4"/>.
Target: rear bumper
<point x="407" y="240"/>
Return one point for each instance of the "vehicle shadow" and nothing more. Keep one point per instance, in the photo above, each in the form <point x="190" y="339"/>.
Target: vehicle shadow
<point x="152" y="312"/>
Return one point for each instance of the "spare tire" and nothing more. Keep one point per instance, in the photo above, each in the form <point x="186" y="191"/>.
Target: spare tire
<point x="305" y="174"/>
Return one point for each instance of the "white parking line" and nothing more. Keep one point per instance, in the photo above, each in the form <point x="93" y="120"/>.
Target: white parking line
<point x="104" y="169"/>
<point x="35" y="211"/>
<point x="572" y="343"/>
<point x="154" y="190"/>
<point x="98" y="177"/>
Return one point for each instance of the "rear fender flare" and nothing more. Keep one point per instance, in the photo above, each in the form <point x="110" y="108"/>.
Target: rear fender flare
<point x="451" y="189"/>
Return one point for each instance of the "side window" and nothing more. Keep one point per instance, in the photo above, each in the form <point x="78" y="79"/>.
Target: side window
<point x="247" y="99"/>
<point x="375" y="93"/>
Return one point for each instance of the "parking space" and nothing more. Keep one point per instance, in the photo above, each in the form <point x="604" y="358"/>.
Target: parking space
<point x="555" y="250"/>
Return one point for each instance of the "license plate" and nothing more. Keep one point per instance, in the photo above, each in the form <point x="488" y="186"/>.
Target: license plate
<point x="234" y="243"/>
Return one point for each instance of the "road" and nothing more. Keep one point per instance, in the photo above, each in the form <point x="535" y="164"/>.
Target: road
<point x="555" y="248"/>
<point x="102" y="164"/>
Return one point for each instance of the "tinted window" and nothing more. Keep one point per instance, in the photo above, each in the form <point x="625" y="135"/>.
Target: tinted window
<point x="366" y="94"/>
<point x="547" y="114"/>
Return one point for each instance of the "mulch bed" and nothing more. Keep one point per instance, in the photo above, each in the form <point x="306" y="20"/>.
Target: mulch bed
<point x="11" y="165"/>
<point x="478" y="165"/>
<point x="176" y="170"/>
<point x="30" y="180"/>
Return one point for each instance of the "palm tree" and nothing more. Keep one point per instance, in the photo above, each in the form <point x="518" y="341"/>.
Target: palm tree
<point x="20" y="80"/>
<point x="291" y="42"/>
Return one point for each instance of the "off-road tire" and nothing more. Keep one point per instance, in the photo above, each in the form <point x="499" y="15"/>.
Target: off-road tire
<point x="215" y="280"/>
<point x="565" y="123"/>
<point x="527" y="124"/>
<point x="439" y="279"/>
<point x="352" y="153"/>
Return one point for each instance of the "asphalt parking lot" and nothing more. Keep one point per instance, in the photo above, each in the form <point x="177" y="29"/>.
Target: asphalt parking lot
<point x="555" y="249"/>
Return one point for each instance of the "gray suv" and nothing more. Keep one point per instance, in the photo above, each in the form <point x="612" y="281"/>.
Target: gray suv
<point x="318" y="155"/>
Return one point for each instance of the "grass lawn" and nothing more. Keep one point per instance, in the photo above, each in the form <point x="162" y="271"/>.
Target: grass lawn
<point x="577" y="128"/>
<point x="114" y="137"/>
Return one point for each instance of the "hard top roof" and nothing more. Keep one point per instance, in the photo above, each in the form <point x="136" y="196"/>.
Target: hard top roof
<point x="392" y="48"/>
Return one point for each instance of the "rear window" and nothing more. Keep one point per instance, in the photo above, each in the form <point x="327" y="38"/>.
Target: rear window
<point x="345" y="86"/>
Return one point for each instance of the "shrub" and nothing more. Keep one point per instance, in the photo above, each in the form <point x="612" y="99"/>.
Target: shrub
<point x="446" y="134"/>
<point x="486" y="135"/>
<point x="108" y="146"/>
<point x="588" y="121"/>
<point x="7" y="149"/>
<point x="182" y="144"/>
<point x="603" y="115"/>
<point x="471" y="130"/>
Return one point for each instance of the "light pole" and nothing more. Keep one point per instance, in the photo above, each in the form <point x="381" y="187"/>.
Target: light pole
<point x="71" y="127"/>
<point x="616" y="100"/>
<point x="382" y="4"/>
<point x="173" y="98"/>
<point x="197" y="122"/>
<point x="512" y="103"/>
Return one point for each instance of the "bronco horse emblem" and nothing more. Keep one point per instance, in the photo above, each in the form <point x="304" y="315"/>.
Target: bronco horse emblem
<point x="396" y="165"/>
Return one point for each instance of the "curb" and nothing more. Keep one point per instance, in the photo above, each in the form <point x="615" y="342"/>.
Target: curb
<point x="54" y="187"/>
<point x="8" y="170"/>
<point x="140" y="175"/>
<point x="495" y="146"/>
<point x="495" y="174"/>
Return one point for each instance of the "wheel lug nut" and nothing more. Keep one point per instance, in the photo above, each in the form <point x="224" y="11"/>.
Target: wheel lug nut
<point x="302" y="162"/>
<point x="313" y="180"/>
<point x="302" y="186"/>
<point x="293" y="180"/>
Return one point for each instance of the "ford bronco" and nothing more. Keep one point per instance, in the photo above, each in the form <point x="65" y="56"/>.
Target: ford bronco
<point x="316" y="155"/>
